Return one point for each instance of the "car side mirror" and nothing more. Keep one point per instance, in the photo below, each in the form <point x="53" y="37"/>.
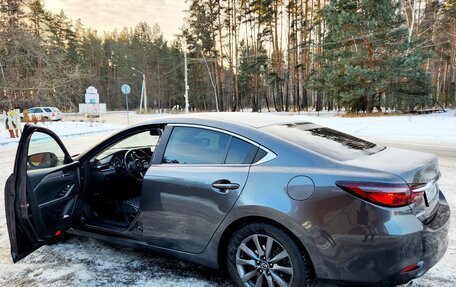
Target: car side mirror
<point x="42" y="160"/>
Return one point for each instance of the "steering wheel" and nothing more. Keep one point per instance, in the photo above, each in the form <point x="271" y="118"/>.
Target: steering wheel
<point x="136" y="163"/>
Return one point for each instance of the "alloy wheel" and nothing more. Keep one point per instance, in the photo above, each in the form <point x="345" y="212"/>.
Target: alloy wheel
<point x="263" y="261"/>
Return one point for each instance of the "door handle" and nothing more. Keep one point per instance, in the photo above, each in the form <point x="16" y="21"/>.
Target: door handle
<point x="225" y="185"/>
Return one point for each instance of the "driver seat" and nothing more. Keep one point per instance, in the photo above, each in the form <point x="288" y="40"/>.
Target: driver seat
<point x="130" y="206"/>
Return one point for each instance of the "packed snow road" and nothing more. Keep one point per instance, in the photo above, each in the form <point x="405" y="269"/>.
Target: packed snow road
<point x="87" y="262"/>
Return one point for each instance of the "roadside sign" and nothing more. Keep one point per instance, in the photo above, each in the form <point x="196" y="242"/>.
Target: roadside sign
<point x="92" y="96"/>
<point x="125" y="89"/>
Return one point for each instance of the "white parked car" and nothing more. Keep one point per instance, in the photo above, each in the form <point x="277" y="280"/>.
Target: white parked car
<point x="50" y="113"/>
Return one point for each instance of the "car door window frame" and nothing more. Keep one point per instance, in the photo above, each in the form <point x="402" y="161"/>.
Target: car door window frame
<point x="23" y="158"/>
<point x="160" y="152"/>
<point x="112" y="140"/>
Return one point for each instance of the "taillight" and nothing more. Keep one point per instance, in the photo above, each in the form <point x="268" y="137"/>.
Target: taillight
<point x="384" y="194"/>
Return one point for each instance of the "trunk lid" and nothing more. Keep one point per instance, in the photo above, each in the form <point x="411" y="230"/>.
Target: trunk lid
<point x="419" y="170"/>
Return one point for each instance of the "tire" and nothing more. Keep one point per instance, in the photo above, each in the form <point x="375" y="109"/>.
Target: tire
<point x="293" y="269"/>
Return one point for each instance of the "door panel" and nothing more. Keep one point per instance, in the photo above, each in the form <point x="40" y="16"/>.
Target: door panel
<point x="55" y="198"/>
<point x="49" y="184"/>
<point x="181" y="209"/>
<point x="42" y="196"/>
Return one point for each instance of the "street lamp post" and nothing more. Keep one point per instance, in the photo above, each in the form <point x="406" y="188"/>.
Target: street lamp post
<point x="186" y="82"/>
<point x="143" y="92"/>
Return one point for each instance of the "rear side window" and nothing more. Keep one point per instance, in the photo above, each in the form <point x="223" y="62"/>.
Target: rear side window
<point x="240" y="152"/>
<point x="325" y="141"/>
<point x="259" y="155"/>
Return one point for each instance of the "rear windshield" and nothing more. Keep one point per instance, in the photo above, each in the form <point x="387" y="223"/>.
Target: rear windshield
<point x="325" y="141"/>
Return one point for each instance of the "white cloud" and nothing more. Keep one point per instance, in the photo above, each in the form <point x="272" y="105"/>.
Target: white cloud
<point x="106" y="15"/>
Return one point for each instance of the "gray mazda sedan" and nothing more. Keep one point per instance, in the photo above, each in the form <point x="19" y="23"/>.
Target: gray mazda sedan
<point x="272" y="202"/>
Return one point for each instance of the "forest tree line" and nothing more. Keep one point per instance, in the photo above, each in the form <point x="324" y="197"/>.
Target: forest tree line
<point x="282" y="55"/>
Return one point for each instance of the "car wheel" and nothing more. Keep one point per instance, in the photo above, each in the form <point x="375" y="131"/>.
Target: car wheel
<point x="261" y="254"/>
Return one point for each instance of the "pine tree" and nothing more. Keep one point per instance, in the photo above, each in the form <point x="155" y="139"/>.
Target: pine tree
<point x="37" y="16"/>
<point x="367" y="56"/>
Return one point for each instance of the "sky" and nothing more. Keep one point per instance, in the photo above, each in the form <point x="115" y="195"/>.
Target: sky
<point x="105" y="15"/>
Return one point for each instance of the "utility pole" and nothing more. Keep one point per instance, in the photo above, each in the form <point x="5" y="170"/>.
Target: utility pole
<point x="186" y="82"/>
<point x="212" y="82"/>
<point x="143" y="92"/>
<point x="158" y="83"/>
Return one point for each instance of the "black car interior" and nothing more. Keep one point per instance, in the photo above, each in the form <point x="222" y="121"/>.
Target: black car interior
<point x="112" y="189"/>
<point x="54" y="199"/>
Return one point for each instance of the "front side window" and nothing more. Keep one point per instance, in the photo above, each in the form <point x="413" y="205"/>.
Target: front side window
<point x="189" y="145"/>
<point x="48" y="110"/>
<point x="44" y="152"/>
<point x="145" y="140"/>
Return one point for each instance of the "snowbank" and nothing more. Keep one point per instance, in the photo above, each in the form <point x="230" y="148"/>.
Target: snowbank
<point x="65" y="129"/>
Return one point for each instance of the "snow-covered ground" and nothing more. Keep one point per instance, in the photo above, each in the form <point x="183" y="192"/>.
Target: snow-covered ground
<point x="88" y="262"/>
<point x="429" y="128"/>
<point x="65" y="129"/>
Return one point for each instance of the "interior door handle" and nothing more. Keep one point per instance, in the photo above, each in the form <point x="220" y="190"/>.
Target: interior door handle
<point x="225" y="185"/>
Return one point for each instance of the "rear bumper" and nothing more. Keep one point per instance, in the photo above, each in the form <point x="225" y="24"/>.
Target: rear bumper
<point x="380" y="262"/>
<point x="434" y="242"/>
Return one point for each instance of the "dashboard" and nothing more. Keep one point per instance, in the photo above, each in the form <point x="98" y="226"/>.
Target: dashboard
<point x="115" y="161"/>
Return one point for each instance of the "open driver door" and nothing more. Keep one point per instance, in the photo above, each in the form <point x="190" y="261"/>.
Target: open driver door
<point x="42" y="196"/>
